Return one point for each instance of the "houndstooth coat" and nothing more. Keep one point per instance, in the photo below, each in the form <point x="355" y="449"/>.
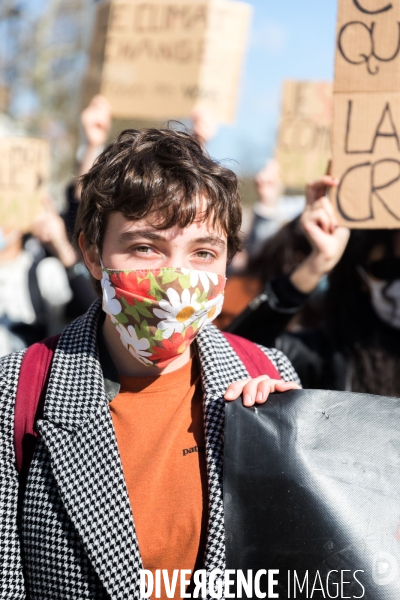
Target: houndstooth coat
<point x="74" y="536"/>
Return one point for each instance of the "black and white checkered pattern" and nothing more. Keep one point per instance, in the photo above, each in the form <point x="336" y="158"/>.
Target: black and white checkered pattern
<point x="11" y="577"/>
<point x="77" y="530"/>
<point x="281" y="363"/>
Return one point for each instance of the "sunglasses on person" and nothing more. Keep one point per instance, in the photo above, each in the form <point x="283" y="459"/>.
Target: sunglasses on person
<point x="385" y="269"/>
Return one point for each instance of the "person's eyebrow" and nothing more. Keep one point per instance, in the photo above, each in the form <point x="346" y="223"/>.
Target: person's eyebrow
<point x="148" y="234"/>
<point x="213" y="240"/>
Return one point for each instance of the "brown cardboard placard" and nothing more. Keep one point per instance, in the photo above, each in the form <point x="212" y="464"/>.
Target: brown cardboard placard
<point x="24" y="175"/>
<point x="304" y="141"/>
<point x="164" y="57"/>
<point x="366" y="157"/>
<point x="223" y="57"/>
<point x="367" y="46"/>
<point x="366" y="129"/>
<point x="92" y="79"/>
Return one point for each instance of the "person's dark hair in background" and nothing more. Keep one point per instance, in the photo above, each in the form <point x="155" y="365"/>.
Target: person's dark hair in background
<point x="363" y="307"/>
<point x="279" y="256"/>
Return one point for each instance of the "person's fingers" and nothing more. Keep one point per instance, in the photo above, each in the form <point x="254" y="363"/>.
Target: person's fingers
<point x="251" y="393"/>
<point x="327" y="205"/>
<point x="343" y="235"/>
<point x="268" y="386"/>
<point x="263" y="390"/>
<point x="234" y="390"/>
<point x="257" y="390"/>
<point x="320" y="217"/>
<point x="285" y="386"/>
<point x="324" y="204"/>
<point x="318" y="188"/>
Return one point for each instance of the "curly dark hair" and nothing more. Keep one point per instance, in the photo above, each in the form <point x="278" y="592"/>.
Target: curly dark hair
<point x="161" y="172"/>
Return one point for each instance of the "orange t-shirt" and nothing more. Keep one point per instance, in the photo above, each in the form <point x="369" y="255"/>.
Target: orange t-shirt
<point x="158" y="422"/>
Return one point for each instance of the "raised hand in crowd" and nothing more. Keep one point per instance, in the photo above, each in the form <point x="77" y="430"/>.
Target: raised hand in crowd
<point x="204" y="124"/>
<point x="49" y="228"/>
<point x="328" y="241"/>
<point x="269" y="188"/>
<point x="96" y="121"/>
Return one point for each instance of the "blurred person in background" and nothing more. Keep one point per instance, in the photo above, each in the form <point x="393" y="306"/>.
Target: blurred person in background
<point x="204" y="125"/>
<point x="357" y="345"/>
<point x="274" y="248"/>
<point x="34" y="287"/>
<point x="96" y="121"/>
<point x="279" y="255"/>
<point x="272" y="210"/>
<point x="43" y="285"/>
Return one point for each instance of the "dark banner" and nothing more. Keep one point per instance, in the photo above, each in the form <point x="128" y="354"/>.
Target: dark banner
<point x="312" y="496"/>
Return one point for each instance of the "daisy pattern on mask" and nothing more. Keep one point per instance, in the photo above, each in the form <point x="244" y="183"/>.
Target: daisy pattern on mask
<point x="132" y="343"/>
<point x="204" y="276"/>
<point x="178" y="313"/>
<point x="111" y="305"/>
<point x="211" y="310"/>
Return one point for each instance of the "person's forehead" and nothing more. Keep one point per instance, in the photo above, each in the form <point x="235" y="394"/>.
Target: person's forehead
<point x="200" y="228"/>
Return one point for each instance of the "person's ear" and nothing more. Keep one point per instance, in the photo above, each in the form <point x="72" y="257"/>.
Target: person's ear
<point x="91" y="257"/>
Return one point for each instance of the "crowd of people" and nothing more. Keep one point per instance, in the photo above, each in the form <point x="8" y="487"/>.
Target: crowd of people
<point x="128" y="413"/>
<point x="302" y="284"/>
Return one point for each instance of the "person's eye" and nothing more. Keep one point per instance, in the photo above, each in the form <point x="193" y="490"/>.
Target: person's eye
<point x="205" y="255"/>
<point x="143" y="249"/>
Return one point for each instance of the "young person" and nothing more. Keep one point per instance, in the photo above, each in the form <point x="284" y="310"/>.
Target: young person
<point x="127" y="471"/>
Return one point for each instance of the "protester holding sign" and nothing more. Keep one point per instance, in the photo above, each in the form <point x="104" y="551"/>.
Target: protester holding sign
<point x="357" y="346"/>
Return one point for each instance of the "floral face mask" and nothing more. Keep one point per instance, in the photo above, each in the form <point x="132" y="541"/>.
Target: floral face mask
<point x="158" y="312"/>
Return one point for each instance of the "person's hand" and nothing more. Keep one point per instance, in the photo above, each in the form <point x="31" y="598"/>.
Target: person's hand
<point x="204" y="125"/>
<point x="49" y="229"/>
<point x="319" y="223"/>
<point x="257" y="390"/>
<point x="328" y="241"/>
<point x="269" y="185"/>
<point x="96" y="121"/>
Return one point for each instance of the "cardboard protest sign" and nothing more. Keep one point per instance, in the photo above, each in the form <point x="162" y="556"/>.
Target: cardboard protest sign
<point x="24" y="174"/>
<point x="304" y="142"/>
<point x="92" y="80"/>
<point x="157" y="59"/>
<point x="368" y="46"/>
<point x="366" y="130"/>
<point x="367" y="159"/>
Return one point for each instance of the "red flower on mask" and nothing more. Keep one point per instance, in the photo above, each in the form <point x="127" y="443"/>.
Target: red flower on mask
<point x="172" y="348"/>
<point x="216" y="289"/>
<point x="127" y="284"/>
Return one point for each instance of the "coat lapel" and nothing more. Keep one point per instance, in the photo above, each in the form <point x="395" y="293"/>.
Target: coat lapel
<point x="220" y="366"/>
<point x="78" y="432"/>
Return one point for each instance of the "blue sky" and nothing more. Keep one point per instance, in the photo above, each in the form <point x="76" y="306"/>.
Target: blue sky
<point x="290" y="39"/>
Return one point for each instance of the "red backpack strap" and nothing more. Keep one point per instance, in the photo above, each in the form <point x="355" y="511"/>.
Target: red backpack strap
<point x="29" y="400"/>
<point x="256" y="362"/>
